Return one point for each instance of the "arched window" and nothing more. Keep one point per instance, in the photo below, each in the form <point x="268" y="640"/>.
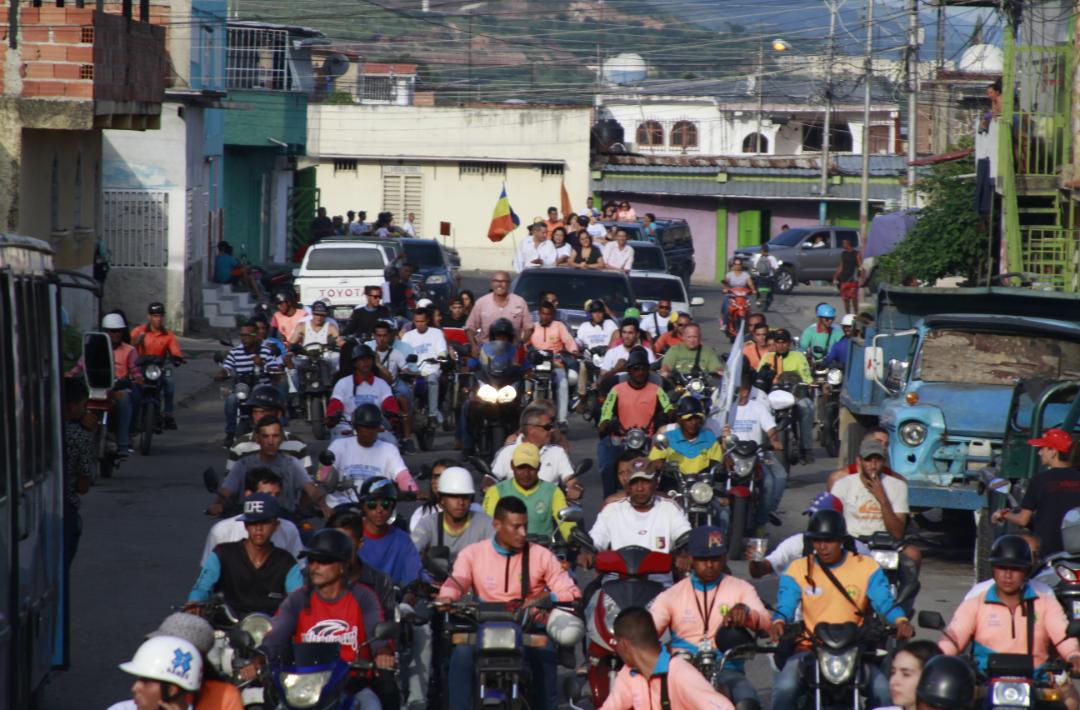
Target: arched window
<point x="650" y="133"/>
<point x="755" y="143"/>
<point x="684" y="135"/>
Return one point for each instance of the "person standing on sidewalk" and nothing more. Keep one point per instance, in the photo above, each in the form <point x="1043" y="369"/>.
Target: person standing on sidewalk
<point x="849" y="275"/>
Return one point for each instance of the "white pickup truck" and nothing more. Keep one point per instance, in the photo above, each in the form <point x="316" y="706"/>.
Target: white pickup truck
<point x="337" y="272"/>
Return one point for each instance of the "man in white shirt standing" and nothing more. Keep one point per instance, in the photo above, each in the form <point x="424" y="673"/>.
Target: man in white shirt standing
<point x="618" y="255"/>
<point x="536" y="251"/>
<point x="410" y="225"/>
<point x="427" y="343"/>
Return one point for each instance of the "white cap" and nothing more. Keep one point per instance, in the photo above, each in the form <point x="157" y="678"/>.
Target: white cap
<point x="456" y="481"/>
<point x="424" y="303"/>
<point x="168" y="659"/>
<point x="848" y="319"/>
<point x="113" y="321"/>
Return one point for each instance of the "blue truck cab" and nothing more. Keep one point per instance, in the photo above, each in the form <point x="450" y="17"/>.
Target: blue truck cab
<point x="938" y="370"/>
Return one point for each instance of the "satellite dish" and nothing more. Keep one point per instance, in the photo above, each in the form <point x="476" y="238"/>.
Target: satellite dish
<point x="335" y="65"/>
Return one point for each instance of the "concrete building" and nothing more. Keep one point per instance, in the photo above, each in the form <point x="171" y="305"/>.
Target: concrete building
<point x="449" y="164"/>
<point x="163" y="190"/>
<point x="69" y="73"/>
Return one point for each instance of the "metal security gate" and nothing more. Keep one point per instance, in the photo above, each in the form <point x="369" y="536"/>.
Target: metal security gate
<point x="136" y="228"/>
<point x="403" y="192"/>
<point x="300" y="211"/>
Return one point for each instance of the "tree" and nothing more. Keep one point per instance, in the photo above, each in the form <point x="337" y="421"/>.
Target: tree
<point x="949" y="239"/>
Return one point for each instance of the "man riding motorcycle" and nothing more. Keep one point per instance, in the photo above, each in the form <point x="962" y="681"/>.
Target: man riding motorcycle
<point x="267" y="401"/>
<point x="616" y="357"/>
<point x="696" y="607"/>
<point x="833" y="586"/>
<point x="553" y="336"/>
<point x="785" y="360"/>
<point x="317" y="330"/>
<point x="691" y="355"/>
<point x="363" y="387"/>
<point x="128" y="376"/>
<point x="543" y="499"/>
<point x="820" y="336"/>
<point x="364" y="317"/>
<point x="538" y="429"/>
<point x="456" y="525"/>
<point x="691" y="447"/>
<point x="242" y="361"/>
<point x="427" y="342"/>
<point x="153" y="338"/>
<point x="364" y="456"/>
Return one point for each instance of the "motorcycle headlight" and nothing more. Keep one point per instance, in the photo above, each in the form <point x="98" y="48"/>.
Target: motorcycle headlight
<point x="1013" y="694"/>
<point x="242" y="391"/>
<point x="701" y="493"/>
<point x="257" y="626"/>
<point x="498" y="638"/>
<point x="506" y="394"/>
<point x="303" y="690"/>
<point x="435" y="279"/>
<point x="635" y="439"/>
<point x="597" y="360"/>
<point x="696" y="386"/>
<point x="152" y="372"/>
<point x="913" y="433"/>
<point x="837" y="668"/>
<point x="487" y="393"/>
<point x="743" y="467"/>
<point x="835" y="377"/>
<point x="886" y="559"/>
<point x="301" y="361"/>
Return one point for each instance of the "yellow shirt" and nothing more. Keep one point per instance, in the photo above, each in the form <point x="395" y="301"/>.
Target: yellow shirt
<point x="535" y="500"/>
<point x="690" y="456"/>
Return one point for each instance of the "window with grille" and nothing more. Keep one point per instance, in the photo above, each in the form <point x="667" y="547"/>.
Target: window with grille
<point x="879" y="140"/>
<point x="684" y="135"/>
<point x="378" y="88"/>
<point x="136" y="227"/>
<point x="650" y="133"/>
<point x="403" y="194"/>
<point x="345" y="165"/>
<point x="475" y="168"/>
<point x="258" y="59"/>
<point x="551" y="170"/>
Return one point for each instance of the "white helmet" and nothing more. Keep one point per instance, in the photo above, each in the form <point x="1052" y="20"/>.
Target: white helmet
<point x="113" y="321"/>
<point x="456" y="481"/>
<point x="167" y="659"/>
<point x="848" y="319"/>
<point x="565" y="628"/>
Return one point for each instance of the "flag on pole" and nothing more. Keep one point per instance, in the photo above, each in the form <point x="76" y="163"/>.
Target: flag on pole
<point x="564" y="199"/>
<point x="729" y="388"/>
<point x="503" y="219"/>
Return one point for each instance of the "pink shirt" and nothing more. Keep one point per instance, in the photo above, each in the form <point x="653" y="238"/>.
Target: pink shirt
<point x="554" y="337"/>
<point x="687" y="690"/>
<point x="124" y="359"/>
<point x="486" y="311"/>
<point x="286" y="325"/>
<point x="681" y="608"/>
<point x="496" y="577"/>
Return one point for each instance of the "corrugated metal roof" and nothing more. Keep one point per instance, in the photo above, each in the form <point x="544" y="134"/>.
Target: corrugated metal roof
<point x="763" y="189"/>
<point x="791" y="166"/>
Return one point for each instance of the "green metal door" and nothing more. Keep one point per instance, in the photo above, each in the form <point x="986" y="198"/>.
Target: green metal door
<point x="749" y="228"/>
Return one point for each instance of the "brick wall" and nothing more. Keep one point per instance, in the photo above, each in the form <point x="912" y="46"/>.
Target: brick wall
<point x="78" y="53"/>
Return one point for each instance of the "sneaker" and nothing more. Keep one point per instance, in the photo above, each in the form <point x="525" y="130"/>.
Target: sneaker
<point x="807" y="456"/>
<point x="170" y="422"/>
<point x="775" y="520"/>
<point x="124" y="451"/>
<point x="228" y="443"/>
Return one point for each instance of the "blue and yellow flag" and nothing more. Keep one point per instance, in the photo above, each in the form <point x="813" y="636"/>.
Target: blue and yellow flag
<point x="503" y="219"/>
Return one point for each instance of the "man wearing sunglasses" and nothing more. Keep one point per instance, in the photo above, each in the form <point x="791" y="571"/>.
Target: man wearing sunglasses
<point x="657" y="322"/>
<point x="363" y="319"/>
<point x="386" y="547"/>
<point x="364" y="456"/>
<point x="538" y="429"/>
<point x="674" y="336"/>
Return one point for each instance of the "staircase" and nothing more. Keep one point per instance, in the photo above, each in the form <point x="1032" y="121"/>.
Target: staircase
<point x="225" y="308"/>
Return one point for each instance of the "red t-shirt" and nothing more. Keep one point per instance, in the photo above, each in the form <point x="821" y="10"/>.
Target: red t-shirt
<point x="340" y="621"/>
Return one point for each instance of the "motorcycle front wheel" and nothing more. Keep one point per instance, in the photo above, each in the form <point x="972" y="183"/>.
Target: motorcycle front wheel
<point x="740" y="510"/>
<point x="316" y="413"/>
<point x="149" y="423"/>
<point x="830" y="431"/>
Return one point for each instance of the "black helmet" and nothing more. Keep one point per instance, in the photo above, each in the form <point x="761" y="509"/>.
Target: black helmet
<point x="367" y="415"/>
<point x="1011" y="551"/>
<point x="378" y="488"/>
<point x="156" y="308"/>
<point x="637" y="358"/>
<point x="284" y="296"/>
<point x="319" y="309"/>
<point x="947" y="682"/>
<point x="330" y="543"/>
<point x="362" y="350"/>
<point x="826" y="525"/>
<point x="690" y="406"/>
<point x="502" y="327"/>
<point x="266" y="397"/>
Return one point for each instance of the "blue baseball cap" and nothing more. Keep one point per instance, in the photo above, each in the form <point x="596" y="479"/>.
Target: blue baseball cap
<point x="259" y="508"/>
<point x="707" y="541"/>
<point x="824" y="501"/>
<point x="824" y="310"/>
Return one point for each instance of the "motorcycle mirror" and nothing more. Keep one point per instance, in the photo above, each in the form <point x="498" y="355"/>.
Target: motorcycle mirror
<point x="240" y="638"/>
<point x="211" y="480"/>
<point x="226" y="343"/>
<point x="582" y="539"/>
<point x="424" y="473"/>
<point x="931" y="620"/>
<point x="219" y="358"/>
<point x="439" y="566"/>
<point x="682" y="540"/>
<point x="385" y="631"/>
<point x="480" y="465"/>
<point x="660" y="441"/>
<point x="696" y="301"/>
<point x="583" y="467"/>
<point x="327" y="458"/>
<point x="572" y="514"/>
<point x="1000" y="486"/>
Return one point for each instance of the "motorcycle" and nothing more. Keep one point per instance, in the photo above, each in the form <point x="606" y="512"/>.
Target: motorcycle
<point x="696" y="384"/>
<point x="315" y="374"/>
<point x="899" y="569"/>
<point x="494" y="408"/>
<point x="738" y="310"/>
<point x="764" y="287"/>
<point x="743" y="474"/>
<point x="1061" y="570"/>
<point x="837" y="670"/>
<point x="241" y="384"/>
<point x="424" y="421"/>
<point x="156" y="370"/>
<point x="627" y="585"/>
<point x="457" y="381"/>
<point x="591" y="361"/>
<point x="540" y="381"/>
<point x="783" y="397"/>
<point x="234" y="642"/>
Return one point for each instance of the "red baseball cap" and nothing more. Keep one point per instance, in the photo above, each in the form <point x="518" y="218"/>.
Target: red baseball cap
<point x="1056" y="439"/>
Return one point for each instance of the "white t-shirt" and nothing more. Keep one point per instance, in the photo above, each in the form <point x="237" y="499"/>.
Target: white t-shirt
<point x="429" y="344"/>
<point x="619" y="525"/>
<point x="591" y="335"/>
<point x="359" y="463"/>
<point x="655" y="324"/>
<point x="287" y="537"/>
<point x="529" y="252"/>
<point x="752" y="421"/>
<point x="619" y="352"/>
<point x="596" y="231"/>
<point x="564" y="250"/>
<point x="555" y="465"/>
<point x="862" y="512"/>
<point x="616" y="258"/>
<point x="393" y="360"/>
<point x="352" y="395"/>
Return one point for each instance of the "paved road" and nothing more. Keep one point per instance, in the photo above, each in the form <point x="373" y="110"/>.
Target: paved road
<point x="144" y="528"/>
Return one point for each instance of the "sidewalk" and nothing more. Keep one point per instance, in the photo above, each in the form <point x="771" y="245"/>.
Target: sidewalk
<point x="195" y="377"/>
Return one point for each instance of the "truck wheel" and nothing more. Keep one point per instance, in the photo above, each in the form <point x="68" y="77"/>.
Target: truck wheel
<point x="785" y="281"/>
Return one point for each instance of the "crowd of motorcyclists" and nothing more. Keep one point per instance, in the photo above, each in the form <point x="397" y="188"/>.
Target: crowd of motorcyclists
<point x="315" y="590"/>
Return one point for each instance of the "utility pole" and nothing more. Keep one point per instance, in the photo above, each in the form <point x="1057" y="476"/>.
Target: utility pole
<point x="868" y="76"/>
<point x="823" y="206"/>
<point x="941" y="35"/>
<point x="472" y="89"/>
<point x="913" y="98"/>
<point x="599" y="57"/>
<point x="760" y="87"/>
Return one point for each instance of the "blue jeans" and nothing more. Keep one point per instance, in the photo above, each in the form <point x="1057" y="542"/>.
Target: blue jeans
<point x="170" y="394"/>
<point x="125" y="408"/>
<point x="607" y="455"/>
<point x="788" y="686"/>
<point x="562" y="394"/>
<point x="739" y="687"/>
<point x="773" y="486"/>
<point x="540" y="689"/>
<point x="232" y="408"/>
<point x="806" y="423"/>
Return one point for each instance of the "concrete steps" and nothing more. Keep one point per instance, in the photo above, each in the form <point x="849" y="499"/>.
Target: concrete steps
<point x="224" y="308"/>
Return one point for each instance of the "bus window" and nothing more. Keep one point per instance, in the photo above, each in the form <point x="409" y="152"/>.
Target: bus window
<point x="7" y="404"/>
<point x="47" y="373"/>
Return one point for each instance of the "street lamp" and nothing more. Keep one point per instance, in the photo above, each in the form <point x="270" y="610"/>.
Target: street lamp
<point x="778" y="45"/>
